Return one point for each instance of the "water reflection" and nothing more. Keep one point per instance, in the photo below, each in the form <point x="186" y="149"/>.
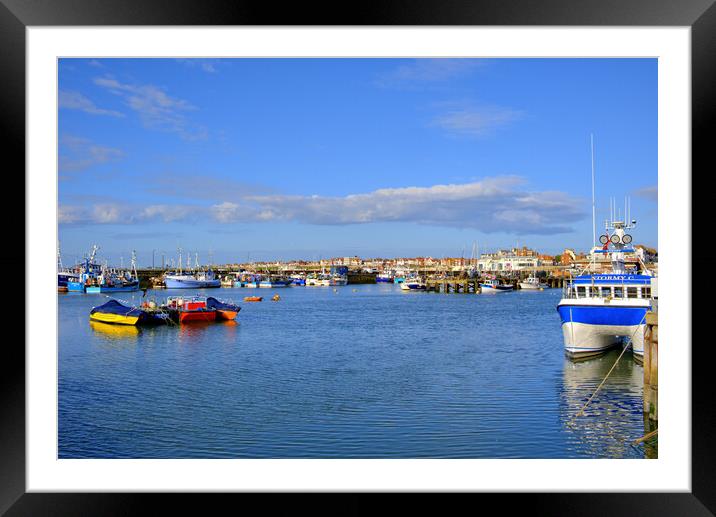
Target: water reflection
<point x="115" y="332"/>
<point x="608" y="425"/>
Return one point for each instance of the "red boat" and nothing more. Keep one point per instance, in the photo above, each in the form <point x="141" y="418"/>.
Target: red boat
<point x="183" y="309"/>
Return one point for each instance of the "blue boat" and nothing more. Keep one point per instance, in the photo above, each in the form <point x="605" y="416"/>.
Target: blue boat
<point x="599" y="311"/>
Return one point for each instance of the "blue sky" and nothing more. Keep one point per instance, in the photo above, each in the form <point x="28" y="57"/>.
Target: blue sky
<point x="306" y="158"/>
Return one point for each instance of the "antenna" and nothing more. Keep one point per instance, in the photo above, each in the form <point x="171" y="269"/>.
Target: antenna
<point x="594" y="221"/>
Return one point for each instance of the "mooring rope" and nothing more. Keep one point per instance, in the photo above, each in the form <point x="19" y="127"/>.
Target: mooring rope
<point x="645" y="437"/>
<point x="581" y="411"/>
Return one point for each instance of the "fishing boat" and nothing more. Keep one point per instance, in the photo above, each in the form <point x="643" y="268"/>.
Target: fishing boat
<point x="224" y="310"/>
<point x="493" y="285"/>
<point x="413" y="284"/>
<point x="198" y="280"/>
<point x="599" y="311"/>
<point x="117" y="313"/>
<point x="113" y="280"/>
<point x="384" y="277"/>
<point x="532" y="282"/>
<point x="87" y="272"/>
<point x="188" y="309"/>
<point x="274" y="281"/>
<point x="338" y="279"/>
<point x="190" y="280"/>
<point x="229" y="280"/>
<point x="319" y="280"/>
<point x="298" y="279"/>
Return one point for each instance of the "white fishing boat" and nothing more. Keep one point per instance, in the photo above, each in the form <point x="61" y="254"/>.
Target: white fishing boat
<point x="494" y="286"/>
<point x="532" y="282"/>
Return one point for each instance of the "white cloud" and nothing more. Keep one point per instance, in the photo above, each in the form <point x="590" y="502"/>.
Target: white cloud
<point x="475" y="121"/>
<point x="651" y="193"/>
<point x="78" y="154"/>
<point x="425" y="71"/>
<point x="490" y="205"/>
<point x="77" y="101"/>
<point x="155" y="107"/>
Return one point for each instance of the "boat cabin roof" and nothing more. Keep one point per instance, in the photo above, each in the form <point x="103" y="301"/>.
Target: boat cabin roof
<point x="613" y="279"/>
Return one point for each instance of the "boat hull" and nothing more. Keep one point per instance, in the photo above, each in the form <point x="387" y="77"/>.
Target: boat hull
<point x="114" y="319"/>
<point x="500" y="289"/>
<point x="533" y="287"/>
<point x="176" y="283"/>
<point x="274" y="284"/>
<point x="114" y="289"/>
<point x="593" y="329"/>
<point x="226" y="314"/>
<point x="195" y="316"/>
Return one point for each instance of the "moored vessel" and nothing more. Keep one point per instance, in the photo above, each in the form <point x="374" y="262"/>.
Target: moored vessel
<point x="188" y="309"/>
<point x="117" y="313"/>
<point x="534" y="283"/>
<point x="599" y="311"/>
<point x="493" y="285"/>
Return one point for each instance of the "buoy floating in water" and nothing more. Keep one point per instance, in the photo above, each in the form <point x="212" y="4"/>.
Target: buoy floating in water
<point x="276" y="298"/>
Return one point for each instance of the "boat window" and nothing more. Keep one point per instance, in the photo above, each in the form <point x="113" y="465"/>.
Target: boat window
<point x="632" y="292"/>
<point x="618" y="292"/>
<point x="595" y="291"/>
<point x="581" y="292"/>
<point x="646" y="292"/>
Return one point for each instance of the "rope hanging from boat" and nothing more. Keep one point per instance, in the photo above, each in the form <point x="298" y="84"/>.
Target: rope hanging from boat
<point x="581" y="411"/>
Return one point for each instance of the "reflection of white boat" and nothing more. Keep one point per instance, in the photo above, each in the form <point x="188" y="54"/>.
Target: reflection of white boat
<point x="533" y="283"/>
<point x="613" y="413"/>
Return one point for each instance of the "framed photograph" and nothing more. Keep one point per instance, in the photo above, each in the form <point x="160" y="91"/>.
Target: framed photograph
<point x="416" y="251"/>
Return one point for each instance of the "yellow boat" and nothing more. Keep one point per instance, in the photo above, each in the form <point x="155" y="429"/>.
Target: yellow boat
<point x="116" y="319"/>
<point x="117" y="314"/>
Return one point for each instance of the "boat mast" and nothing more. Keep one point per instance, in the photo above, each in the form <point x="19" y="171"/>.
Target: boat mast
<point x="594" y="218"/>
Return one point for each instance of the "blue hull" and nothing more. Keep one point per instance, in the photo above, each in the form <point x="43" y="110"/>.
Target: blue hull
<point x="76" y="287"/>
<point x="591" y="315"/>
<point x="118" y="289"/>
<point x="383" y="280"/>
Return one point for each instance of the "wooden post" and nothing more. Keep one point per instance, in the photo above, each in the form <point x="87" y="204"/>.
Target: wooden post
<point x="651" y="366"/>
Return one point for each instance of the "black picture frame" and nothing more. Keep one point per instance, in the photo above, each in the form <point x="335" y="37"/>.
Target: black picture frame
<point x="700" y="15"/>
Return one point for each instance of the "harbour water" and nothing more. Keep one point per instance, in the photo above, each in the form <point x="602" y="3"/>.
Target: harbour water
<point x="361" y="371"/>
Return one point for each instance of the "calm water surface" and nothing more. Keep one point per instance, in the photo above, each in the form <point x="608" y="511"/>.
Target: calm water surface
<point x="365" y="371"/>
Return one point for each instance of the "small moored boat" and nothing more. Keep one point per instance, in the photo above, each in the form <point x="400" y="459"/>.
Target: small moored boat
<point x="119" y="314"/>
<point x="189" y="309"/>
<point x="533" y="283"/>
<point x="494" y="286"/>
